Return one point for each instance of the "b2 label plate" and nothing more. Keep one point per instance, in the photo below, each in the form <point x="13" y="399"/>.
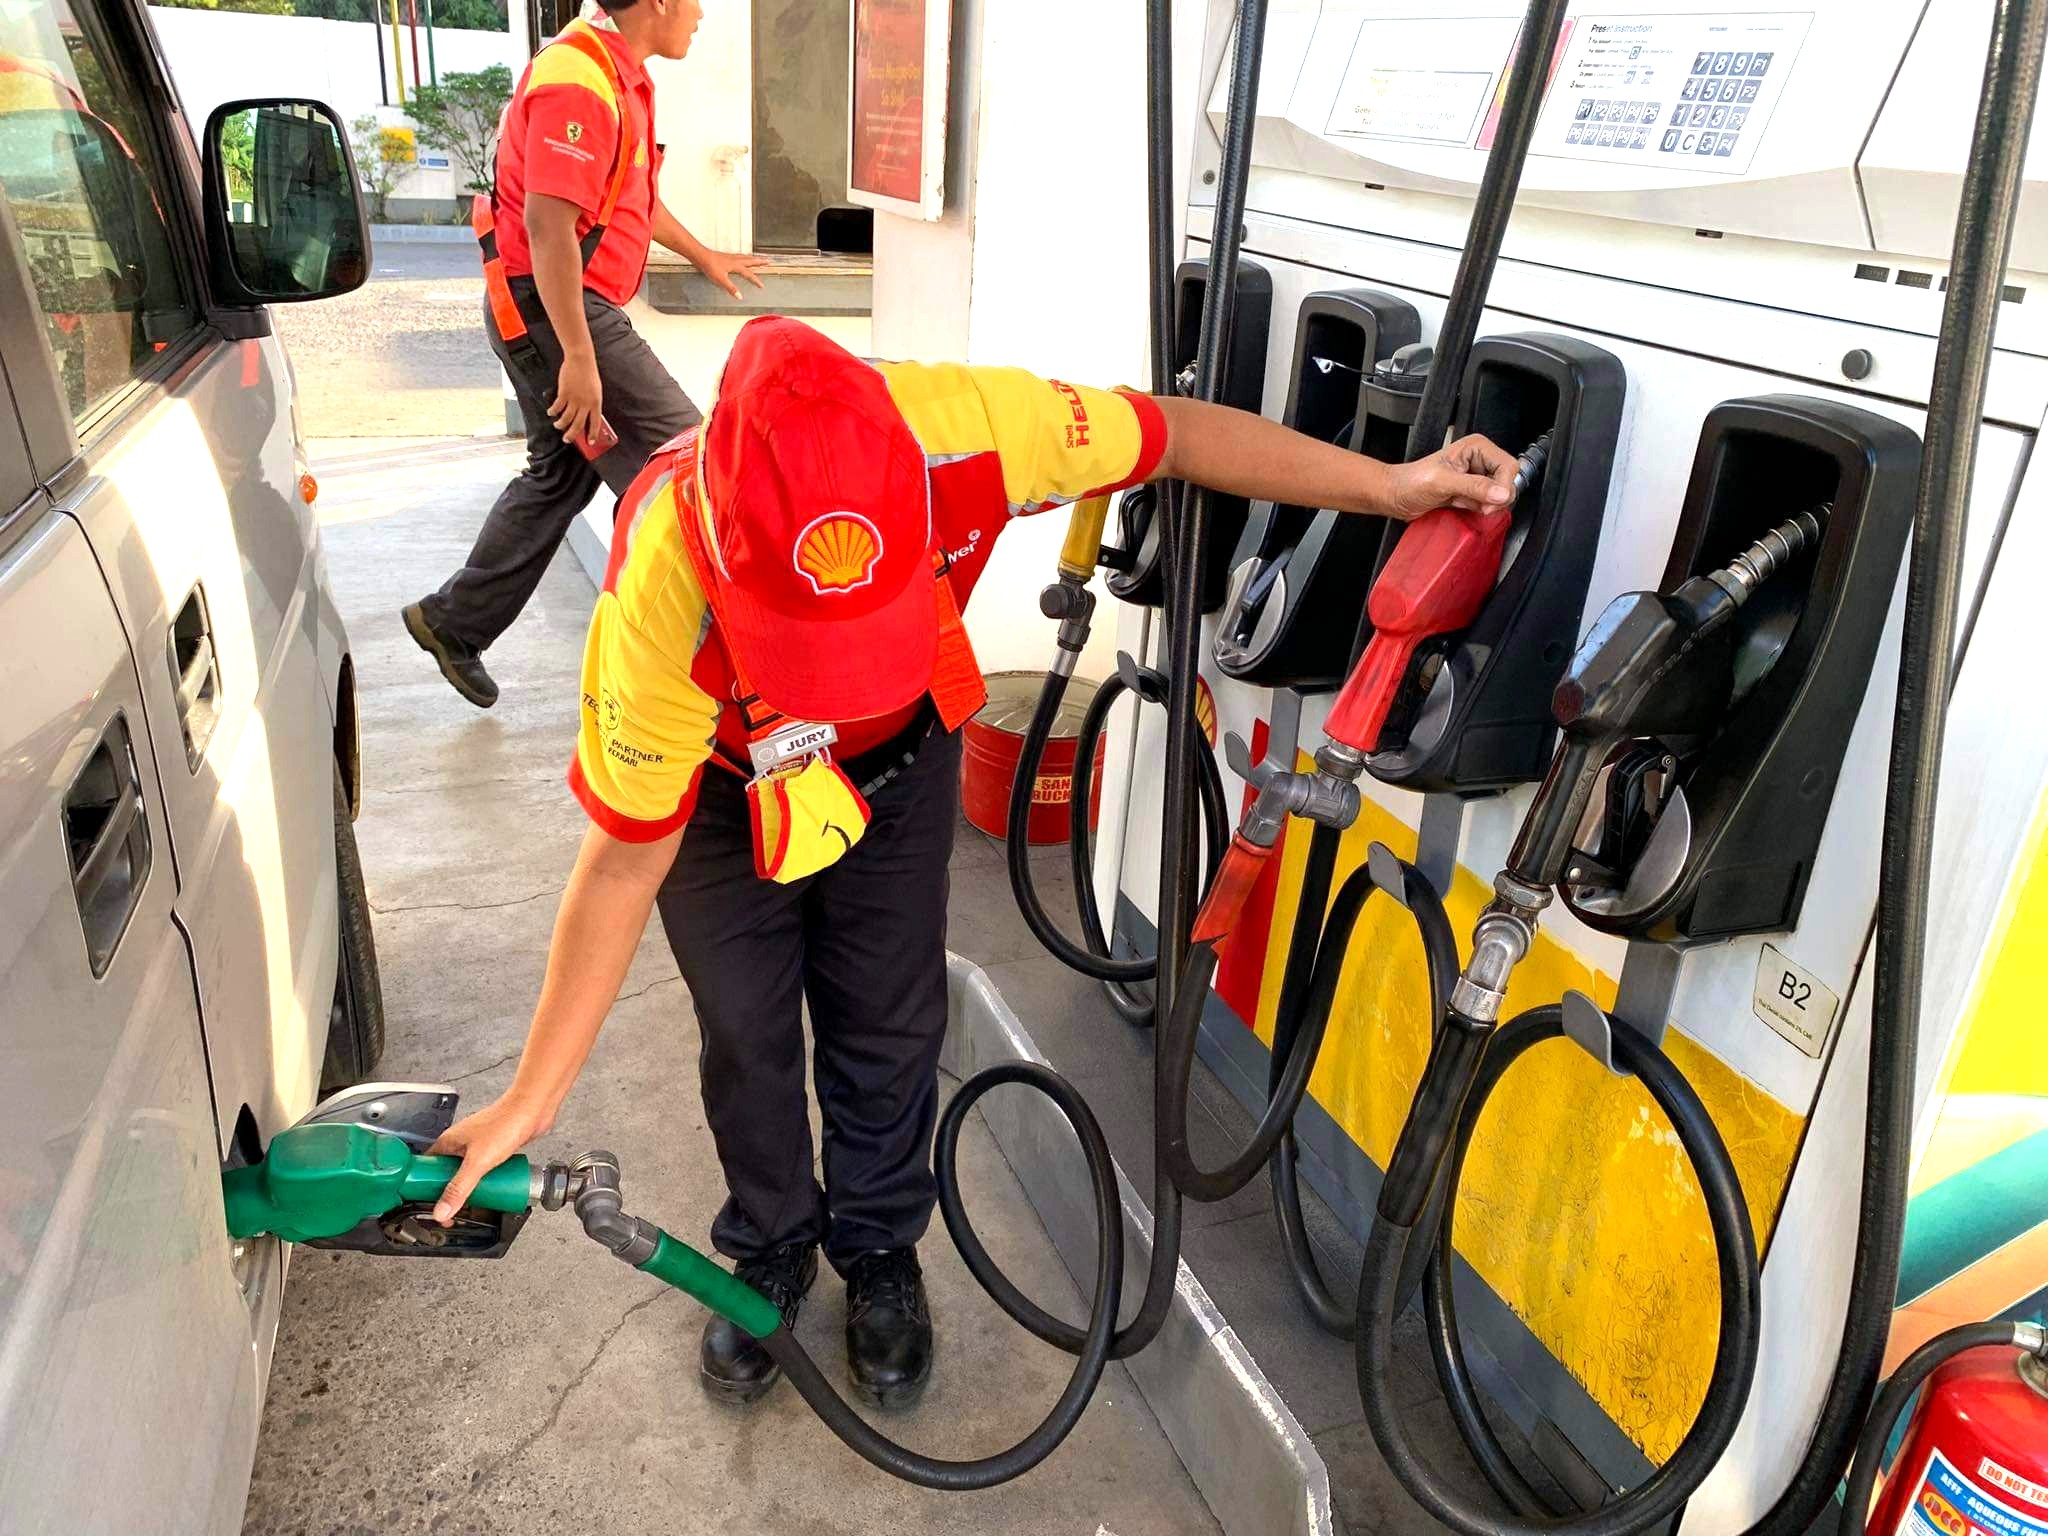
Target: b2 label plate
<point x="1794" y="1002"/>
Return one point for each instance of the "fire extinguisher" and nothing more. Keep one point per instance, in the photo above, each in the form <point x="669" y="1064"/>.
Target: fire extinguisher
<point x="1975" y="1456"/>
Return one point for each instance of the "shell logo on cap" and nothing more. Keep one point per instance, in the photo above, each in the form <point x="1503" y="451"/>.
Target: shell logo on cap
<point x="837" y="552"/>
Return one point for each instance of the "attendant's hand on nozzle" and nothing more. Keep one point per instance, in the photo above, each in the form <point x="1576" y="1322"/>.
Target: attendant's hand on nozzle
<point x="484" y="1140"/>
<point x="1471" y="473"/>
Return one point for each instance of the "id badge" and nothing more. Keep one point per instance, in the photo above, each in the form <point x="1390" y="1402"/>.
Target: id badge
<point x="799" y="739"/>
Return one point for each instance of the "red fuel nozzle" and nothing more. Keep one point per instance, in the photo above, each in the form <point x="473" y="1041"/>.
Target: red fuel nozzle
<point x="1439" y="574"/>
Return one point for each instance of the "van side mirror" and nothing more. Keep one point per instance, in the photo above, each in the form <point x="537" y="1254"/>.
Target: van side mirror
<point x="284" y="210"/>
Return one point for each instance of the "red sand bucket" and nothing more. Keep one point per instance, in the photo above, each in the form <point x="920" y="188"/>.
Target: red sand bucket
<point x="994" y="740"/>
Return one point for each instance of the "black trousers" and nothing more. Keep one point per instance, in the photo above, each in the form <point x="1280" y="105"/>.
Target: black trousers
<point x="644" y="405"/>
<point x="864" y="943"/>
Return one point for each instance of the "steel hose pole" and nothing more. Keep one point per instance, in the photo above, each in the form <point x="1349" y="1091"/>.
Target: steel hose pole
<point x="1159" y="185"/>
<point x="1955" y="406"/>
<point x="1495" y="201"/>
<point x="1184" y="597"/>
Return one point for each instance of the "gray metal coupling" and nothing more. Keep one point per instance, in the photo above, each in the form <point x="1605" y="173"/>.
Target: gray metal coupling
<point x="1519" y="897"/>
<point x="2032" y="1337"/>
<point x="1334" y="802"/>
<point x="1481" y="1005"/>
<point x="1270" y="809"/>
<point x="1499" y="941"/>
<point x="553" y="1186"/>
<point x="1340" y="761"/>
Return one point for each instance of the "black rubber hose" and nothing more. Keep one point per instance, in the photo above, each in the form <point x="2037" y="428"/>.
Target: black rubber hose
<point x="1895" y="1399"/>
<point x="1176" y="910"/>
<point x="1665" y="1491"/>
<point x="1017" y="853"/>
<point x="1093" y="1344"/>
<point x="1163" y="1267"/>
<point x="1440" y="958"/>
<point x="1159" y="206"/>
<point x="1091" y="957"/>
<point x="1135" y="1008"/>
<point x="1305" y="1038"/>
<point x="1955" y="407"/>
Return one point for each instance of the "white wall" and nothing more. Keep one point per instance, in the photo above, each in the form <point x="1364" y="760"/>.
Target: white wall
<point x="704" y="113"/>
<point x="218" y="56"/>
<point x="1040" y="258"/>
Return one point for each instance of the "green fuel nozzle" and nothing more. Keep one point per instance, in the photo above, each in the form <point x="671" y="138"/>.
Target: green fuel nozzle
<point x="324" y="1180"/>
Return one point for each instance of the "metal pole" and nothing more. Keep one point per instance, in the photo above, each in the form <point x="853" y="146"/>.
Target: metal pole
<point x="1159" y="185"/>
<point x="1496" y="201"/>
<point x="383" y="80"/>
<point x="433" y="71"/>
<point x="397" y="54"/>
<point x="1178" y="861"/>
<point x="412" y="18"/>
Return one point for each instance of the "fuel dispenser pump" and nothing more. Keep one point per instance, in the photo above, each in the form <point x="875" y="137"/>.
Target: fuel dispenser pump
<point x="1289" y="615"/>
<point x="1138" y="562"/>
<point x="1671" y="669"/>
<point x="1467" y="713"/>
<point x="1697" y="836"/>
<point x="1677" y="669"/>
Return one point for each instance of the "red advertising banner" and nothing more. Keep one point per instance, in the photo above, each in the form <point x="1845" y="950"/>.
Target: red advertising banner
<point x="888" y="98"/>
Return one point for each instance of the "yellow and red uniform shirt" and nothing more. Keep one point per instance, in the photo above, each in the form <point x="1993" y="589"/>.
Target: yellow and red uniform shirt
<point x="560" y="137"/>
<point x="657" y="686"/>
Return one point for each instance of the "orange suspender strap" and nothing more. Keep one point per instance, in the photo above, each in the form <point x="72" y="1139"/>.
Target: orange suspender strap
<point x="504" y="311"/>
<point x="957" y="689"/>
<point x="483" y="221"/>
<point x="584" y="39"/>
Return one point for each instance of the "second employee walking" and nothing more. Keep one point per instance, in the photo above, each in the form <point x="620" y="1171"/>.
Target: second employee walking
<point x="576" y="207"/>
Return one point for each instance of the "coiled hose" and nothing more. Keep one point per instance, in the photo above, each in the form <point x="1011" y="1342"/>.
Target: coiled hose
<point x="1092" y="1346"/>
<point x="1091" y="957"/>
<point x="1734" y="1246"/>
<point x="1311" y="940"/>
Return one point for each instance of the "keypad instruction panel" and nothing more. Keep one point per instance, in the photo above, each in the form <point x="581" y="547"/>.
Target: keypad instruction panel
<point x="1674" y="92"/>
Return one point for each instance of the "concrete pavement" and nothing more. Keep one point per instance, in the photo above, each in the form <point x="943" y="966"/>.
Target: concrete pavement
<point x="405" y="353"/>
<point x="556" y="1390"/>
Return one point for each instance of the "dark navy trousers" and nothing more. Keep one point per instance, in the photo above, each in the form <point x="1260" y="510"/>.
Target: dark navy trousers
<point x="863" y="944"/>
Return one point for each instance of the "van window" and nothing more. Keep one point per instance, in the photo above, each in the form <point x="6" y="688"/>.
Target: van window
<point x="88" y="197"/>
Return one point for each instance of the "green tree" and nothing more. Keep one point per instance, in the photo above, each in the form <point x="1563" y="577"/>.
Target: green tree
<point x="381" y="153"/>
<point x="460" y="115"/>
<point x="238" y="154"/>
<point x="472" y="15"/>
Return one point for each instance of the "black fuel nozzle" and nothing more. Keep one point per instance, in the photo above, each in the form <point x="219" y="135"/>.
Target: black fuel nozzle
<point x="1070" y="602"/>
<point x="1406" y="370"/>
<point x="1655" y="666"/>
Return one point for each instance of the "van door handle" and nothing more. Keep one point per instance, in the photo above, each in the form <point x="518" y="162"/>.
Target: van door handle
<point x="106" y="833"/>
<point x="195" y="675"/>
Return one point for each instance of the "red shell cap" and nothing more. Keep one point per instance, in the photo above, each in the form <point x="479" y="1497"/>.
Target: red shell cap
<point x="817" y="515"/>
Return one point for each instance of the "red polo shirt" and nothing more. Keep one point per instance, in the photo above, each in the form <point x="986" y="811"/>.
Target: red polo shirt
<point x="560" y="137"/>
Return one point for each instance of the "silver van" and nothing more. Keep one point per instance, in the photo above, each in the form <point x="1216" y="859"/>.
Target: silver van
<point x="185" y="950"/>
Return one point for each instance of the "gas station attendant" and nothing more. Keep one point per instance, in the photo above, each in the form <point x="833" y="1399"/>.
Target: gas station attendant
<point x="773" y="687"/>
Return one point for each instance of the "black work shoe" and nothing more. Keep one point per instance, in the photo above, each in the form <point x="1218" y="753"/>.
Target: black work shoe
<point x="888" y="1328"/>
<point x="736" y="1368"/>
<point x="462" y="665"/>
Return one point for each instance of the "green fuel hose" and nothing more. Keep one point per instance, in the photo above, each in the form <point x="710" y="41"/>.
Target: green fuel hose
<point x="323" y="1180"/>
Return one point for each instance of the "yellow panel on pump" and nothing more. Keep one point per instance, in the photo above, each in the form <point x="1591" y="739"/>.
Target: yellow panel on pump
<point x="1578" y="1205"/>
